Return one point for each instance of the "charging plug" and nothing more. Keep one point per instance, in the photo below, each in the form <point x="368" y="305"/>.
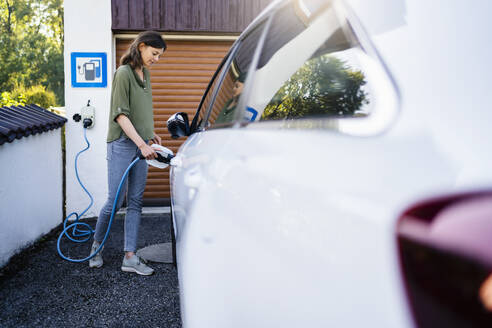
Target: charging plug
<point x="87" y="123"/>
<point x="88" y="116"/>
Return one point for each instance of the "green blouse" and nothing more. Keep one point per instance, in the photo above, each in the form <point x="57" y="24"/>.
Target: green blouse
<point x="132" y="97"/>
<point x="226" y="115"/>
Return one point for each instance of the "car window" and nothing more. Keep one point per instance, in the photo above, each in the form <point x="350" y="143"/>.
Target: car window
<point x="200" y="119"/>
<point x="313" y="66"/>
<point x="222" y="108"/>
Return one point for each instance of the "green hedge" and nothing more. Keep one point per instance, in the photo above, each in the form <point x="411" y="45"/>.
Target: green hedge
<point x="34" y="95"/>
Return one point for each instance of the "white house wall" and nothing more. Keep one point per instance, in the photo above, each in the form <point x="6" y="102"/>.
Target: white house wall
<point x="87" y="29"/>
<point x="31" y="191"/>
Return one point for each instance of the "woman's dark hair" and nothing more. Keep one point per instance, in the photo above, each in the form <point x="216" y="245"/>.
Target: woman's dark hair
<point x="132" y="55"/>
<point x="242" y="77"/>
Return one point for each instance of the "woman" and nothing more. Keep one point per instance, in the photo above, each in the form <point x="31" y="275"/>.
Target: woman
<point x="131" y="127"/>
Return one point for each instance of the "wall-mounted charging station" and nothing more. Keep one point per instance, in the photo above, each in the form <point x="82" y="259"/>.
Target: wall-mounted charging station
<point x="87" y="115"/>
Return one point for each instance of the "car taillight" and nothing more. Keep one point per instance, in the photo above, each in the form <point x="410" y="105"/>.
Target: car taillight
<point x="445" y="247"/>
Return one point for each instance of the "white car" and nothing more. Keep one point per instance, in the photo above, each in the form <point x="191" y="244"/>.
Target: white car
<point x="338" y="172"/>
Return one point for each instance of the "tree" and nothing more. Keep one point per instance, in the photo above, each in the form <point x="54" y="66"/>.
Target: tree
<point x="322" y="86"/>
<point x="31" y="45"/>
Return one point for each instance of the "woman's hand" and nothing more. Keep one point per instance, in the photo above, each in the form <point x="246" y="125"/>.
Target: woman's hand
<point x="147" y="151"/>
<point x="156" y="139"/>
<point x="127" y="126"/>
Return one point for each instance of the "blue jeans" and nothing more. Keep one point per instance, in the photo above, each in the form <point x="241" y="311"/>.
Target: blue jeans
<point x="121" y="152"/>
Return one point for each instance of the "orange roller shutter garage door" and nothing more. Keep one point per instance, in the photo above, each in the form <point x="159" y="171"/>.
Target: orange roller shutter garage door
<point x="178" y="80"/>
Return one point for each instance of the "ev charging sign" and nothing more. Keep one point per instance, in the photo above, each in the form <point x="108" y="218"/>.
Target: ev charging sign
<point x="89" y="69"/>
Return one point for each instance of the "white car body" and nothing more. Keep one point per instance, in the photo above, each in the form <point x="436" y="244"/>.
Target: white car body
<point x="296" y="227"/>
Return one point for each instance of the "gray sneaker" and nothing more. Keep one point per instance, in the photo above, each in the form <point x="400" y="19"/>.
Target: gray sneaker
<point x="137" y="265"/>
<point x="96" y="261"/>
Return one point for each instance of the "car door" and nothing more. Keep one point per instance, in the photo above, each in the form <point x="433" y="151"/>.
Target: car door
<point x="200" y="153"/>
<point x="182" y="174"/>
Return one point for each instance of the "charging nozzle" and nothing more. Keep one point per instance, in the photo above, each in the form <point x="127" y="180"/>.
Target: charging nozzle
<point x="160" y="158"/>
<point x="164" y="156"/>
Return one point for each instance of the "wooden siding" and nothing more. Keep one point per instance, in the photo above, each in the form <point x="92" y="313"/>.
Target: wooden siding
<point x="178" y="80"/>
<point x="222" y="16"/>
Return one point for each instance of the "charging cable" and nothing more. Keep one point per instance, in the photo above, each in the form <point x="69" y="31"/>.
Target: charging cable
<point x="77" y="233"/>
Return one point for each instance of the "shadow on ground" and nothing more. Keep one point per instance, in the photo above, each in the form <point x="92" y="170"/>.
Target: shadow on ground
<point x="39" y="289"/>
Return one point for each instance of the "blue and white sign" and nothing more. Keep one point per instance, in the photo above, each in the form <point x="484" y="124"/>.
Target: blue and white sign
<point x="89" y="69"/>
<point x="250" y="114"/>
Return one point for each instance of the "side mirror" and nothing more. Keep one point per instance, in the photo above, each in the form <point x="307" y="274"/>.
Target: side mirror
<point x="178" y="125"/>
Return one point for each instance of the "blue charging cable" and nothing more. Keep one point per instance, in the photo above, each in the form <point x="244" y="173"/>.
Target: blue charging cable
<point x="80" y="233"/>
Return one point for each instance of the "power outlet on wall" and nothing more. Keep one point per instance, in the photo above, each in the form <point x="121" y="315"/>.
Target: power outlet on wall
<point x="88" y="113"/>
